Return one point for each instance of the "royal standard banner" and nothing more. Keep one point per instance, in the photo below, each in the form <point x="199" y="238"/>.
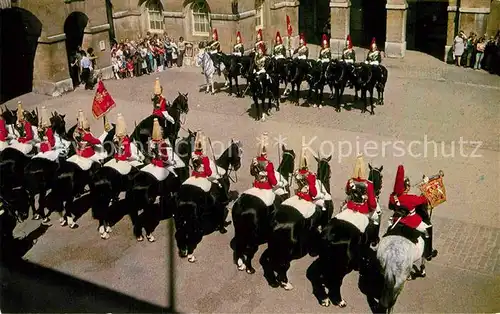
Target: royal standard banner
<point x="434" y="191"/>
<point x="103" y="102"/>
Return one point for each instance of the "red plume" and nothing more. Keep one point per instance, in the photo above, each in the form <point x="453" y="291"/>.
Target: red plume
<point x="289" y="26"/>
<point x="262" y="48"/>
<point x="216" y="34"/>
<point x="349" y="42"/>
<point x="239" y="35"/>
<point x="259" y="32"/>
<point x="399" y="183"/>
<point x="325" y="38"/>
<point x="278" y="37"/>
<point x="303" y="38"/>
<point x="373" y="41"/>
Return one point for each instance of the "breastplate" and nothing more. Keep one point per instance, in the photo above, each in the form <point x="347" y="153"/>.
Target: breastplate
<point x="360" y="193"/>
<point x="261" y="175"/>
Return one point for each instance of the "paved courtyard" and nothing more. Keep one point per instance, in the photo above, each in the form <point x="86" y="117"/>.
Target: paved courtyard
<point x="425" y="101"/>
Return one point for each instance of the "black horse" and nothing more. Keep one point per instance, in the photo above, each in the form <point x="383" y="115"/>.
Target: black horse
<point x="316" y="79"/>
<point x="252" y="217"/>
<point x="343" y="248"/>
<point x="143" y="131"/>
<point x="294" y="234"/>
<point x="337" y="78"/>
<point x="297" y="72"/>
<point x="198" y="212"/>
<point x="236" y="66"/>
<point x="367" y="78"/>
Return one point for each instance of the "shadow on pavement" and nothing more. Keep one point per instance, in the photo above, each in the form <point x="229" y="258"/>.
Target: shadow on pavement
<point x="30" y="288"/>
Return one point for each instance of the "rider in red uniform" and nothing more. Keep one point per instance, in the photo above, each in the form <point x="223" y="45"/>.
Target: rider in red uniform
<point x="4" y="133"/>
<point x="122" y="141"/>
<point x="201" y="163"/>
<point x="46" y="133"/>
<point x="159" y="147"/>
<point x="401" y="198"/>
<point x="23" y="126"/>
<point x="263" y="169"/>
<point x="84" y="138"/>
<point x="306" y="180"/>
<point x="160" y="103"/>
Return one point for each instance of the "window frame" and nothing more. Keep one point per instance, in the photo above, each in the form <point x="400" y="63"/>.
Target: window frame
<point x="157" y="14"/>
<point x="199" y="9"/>
<point x="259" y="14"/>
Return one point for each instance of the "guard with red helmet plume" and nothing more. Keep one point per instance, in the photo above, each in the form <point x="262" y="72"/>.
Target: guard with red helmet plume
<point x="238" y="48"/>
<point x="405" y="205"/>
<point x="374" y="57"/>
<point x="325" y="54"/>
<point x="259" y="42"/>
<point x="303" y="51"/>
<point x="214" y="45"/>
<point x="260" y="60"/>
<point x="348" y="55"/>
<point x="279" y="50"/>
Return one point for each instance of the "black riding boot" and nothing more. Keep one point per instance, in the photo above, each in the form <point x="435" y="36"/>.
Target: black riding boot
<point x="429" y="252"/>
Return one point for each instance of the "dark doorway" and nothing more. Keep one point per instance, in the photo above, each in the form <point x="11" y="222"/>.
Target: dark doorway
<point x="74" y="27"/>
<point x="427" y="27"/>
<point x="314" y="15"/>
<point x="368" y="19"/>
<point x="19" y="33"/>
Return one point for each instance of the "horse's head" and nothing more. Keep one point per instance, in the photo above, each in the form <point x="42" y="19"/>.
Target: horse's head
<point x="184" y="147"/>
<point x="232" y="156"/>
<point x="181" y="103"/>
<point x="58" y="124"/>
<point x="287" y="162"/>
<point x="324" y="171"/>
<point x="8" y="115"/>
<point x="362" y="73"/>
<point x="376" y="177"/>
<point x="290" y="69"/>
<point x="31" y="117"/>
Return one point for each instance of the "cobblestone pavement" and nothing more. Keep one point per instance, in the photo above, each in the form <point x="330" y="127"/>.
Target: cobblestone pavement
<point x="425" y="100"/>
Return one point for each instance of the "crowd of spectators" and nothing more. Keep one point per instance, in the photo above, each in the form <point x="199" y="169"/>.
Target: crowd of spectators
<point x="154" y="53"/>
<point x="477" y="52"/>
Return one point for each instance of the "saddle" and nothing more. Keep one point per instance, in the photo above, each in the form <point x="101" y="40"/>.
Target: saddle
<point x="404" y="231"/>
<point x="84" y="163"/>
<point x="24" y="148"/>
<point x="202" y="183"/>
<point x="123" y="167"/>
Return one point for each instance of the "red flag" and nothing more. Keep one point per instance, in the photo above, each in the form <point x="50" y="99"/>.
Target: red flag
<point x="103" y="102"/>
<point x="288" y="26"/>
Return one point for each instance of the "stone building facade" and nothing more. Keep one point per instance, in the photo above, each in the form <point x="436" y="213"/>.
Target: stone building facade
<point x="393" y="22"/>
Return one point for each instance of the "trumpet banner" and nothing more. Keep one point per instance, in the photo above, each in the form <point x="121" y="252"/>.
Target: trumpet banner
<point x="103" y="102"/>
<point x="434" y="191"/>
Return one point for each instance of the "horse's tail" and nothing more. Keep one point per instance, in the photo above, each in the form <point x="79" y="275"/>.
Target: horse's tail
<point x="138" y="196"/>
<point x="102" y="193"/>
<point x="282" y="241"/>
<point x="245" y="225"/>
<point x="394" y="256"/>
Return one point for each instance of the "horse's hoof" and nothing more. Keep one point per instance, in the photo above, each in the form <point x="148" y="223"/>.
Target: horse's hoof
<point x="104" y="236"/>
<point x="101" y="229"/>
<point x="342" y="304"/>
<point x="320" y="106"/>
<point x="372" y="113"/>
<point x="108" y="229"/>
<point x="223" y="230"/>
<point x="150" y="238"/>
<point x="326" y="302"/>
<point x="191" y="258"/>
<point x="337" y="110"/>
<point x="433" y="254"/>
<point x="315" y="106"/>
<point x="36" y="217"/>
<point x="250" y="270"/>
<point x="241" y="265"/>
<point x="140" y="239"/>
<point x="287" y="286"/>
<point x="45" y="220"/>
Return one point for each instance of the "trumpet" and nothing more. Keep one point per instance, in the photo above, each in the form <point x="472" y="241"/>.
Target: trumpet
<point x="426" y="179"/>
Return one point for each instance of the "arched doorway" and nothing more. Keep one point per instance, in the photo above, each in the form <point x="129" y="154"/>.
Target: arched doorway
<point x="427" y="27"/>
<point x="73" y="28"/>
<point x="368" y="19"/>
<point x="313" y="16"/>
<point x="19" y="31"/>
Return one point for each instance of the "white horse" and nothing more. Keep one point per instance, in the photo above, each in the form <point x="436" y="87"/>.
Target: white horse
<point x="204" y="60"/>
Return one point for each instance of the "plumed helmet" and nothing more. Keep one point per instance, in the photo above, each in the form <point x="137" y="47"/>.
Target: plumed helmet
<point x="302" y="39"/>
<point x="324" y="41"/>
<point x="401" y="183"/>
<point x="374" y="42"/>
<point x="359" y="168"/>
<point x="259" y="34"/>
<point x="199" y="141"/>
<point x="44" y="118"/>
<point x="157" y="87"/>
<point x="238" y="37"/>
<point x="20" y="111"/>
<point x="157" y="131"/>
<point x="304" y="161"/>
<point x="82" y="121"/>
<point x="121" y="126"/>
<point x="279" y="40"/>
<point x="215" y="35"/>
<point x="349" y="42"/>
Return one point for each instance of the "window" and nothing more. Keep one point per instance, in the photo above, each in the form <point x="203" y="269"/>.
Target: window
<point x="201" y="20"/>
<point x="155" y="16"/>
<point x="259" y="15"/>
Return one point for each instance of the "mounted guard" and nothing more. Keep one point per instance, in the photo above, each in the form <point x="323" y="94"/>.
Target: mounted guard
<point x="303" y="51"/>
<point x="260" y="62"/>
<point x="361" y="199"/>
<point x="348" y="54"/>
<point x="405" y="205"/>
<point x="88" y="147"/>
<point x="47" y="147"/>
<point x="23" y="132"/>
<point x="374" y="56"/>
<point x="259" y="42"/>
<point x="262" y="169"/>
<point x="238" y="48"/>
<point x="214" y="50"/>
<point x="160" y="103"/>
<point x="325" y="54"/>
<point x="279" y="50"/>
<point x="4" y="134"/>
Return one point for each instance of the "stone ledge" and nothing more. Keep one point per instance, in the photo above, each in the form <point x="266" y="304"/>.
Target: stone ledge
<point x="285" y="4"/>
<point x="395" y="50"/>
<point x="475" y="10"/>
<point x="396" y="6"/>
<point x="97" y="29"/>
<point x="177" y="15"/>
<point x="339" y="4"/>
<point x="223" y="17"/>
<point x="106" y="72"/>
<point x="53" y="89"/>
<point x="247" y="14"/>
<point x="122" y="14"/>
<point x="52" y="39"/>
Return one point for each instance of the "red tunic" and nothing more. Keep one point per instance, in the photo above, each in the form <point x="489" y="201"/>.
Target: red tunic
<point x="163" y="107"/>
<point x="206" y="171"/>
<point x="126" y="153"/>
<point x="409" y="201"/>
<point x="48" y="144"/>
<point x="28" y="133"/>
<point x="162" y="158"/>
<point x="3" y="131"/>
<point x="88" y="141"/>
<point x="311" y="182"/>
<point x="271" y="177"/>
<point x="368" y="206"/>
